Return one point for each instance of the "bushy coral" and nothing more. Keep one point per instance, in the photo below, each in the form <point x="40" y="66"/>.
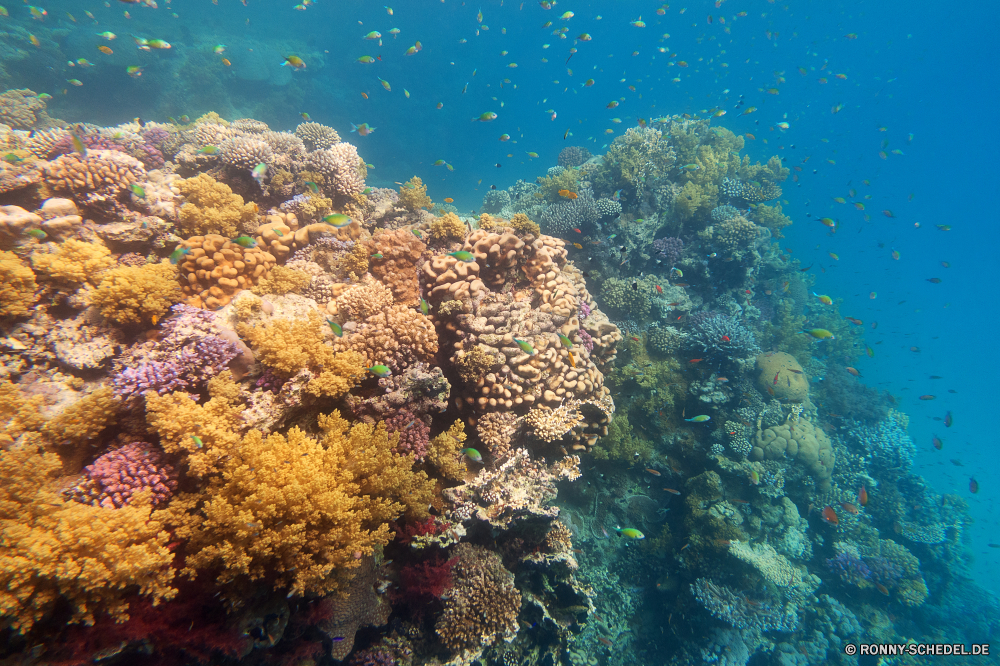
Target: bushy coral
<point x="57" y="551"/>
<point x="300" y="511"/>
<point x="413" y="195"/>
<point x="74" y="262"/>
<point x="137" y="294"/>
<point x="289" y="346"/>
<point x="17" y="286"/>
<point x="448" y="228"/>
<point x="212" y="208"/>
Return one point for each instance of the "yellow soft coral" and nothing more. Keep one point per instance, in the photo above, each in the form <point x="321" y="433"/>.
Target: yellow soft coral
<point x="18" y="413"/>
<point x="303" y="512"/>
<point x="281" y="280"/>
<point x="52" y="549"/>
<point x="290" y="345"/>
<point x="75" y="428"/>
<point x="17" y="286"/>
<point x="205" y="435"/>
<point x="445" y="452"/>
<point x="772" y="218"/>
<point x="447" y="227"/>
<point x="137" y="294"/>
<point x="212" y="208"/>
<point x="413" y="195"/>
<point x="74" y="262"/>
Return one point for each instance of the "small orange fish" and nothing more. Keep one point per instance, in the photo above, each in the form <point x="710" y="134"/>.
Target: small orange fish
<point x="567" y="194"/>
<point x="604" y="640"/>
<point x="225" y="61"/>
<point x="862" y="496"/>
<point x="652" y="471"/>
<point x="577" y="246"/>
<point x="849" y="508"/>
<point x="696" y="360"/>
<point x="105" y="50"/>
<point x="856" y="322"/>
<point x="659" y="289"/>
<point x="852" y="371"/>
<point x="750" y="136"/>
<point x="682" y="284"/>
<point x="672" y="491"/>
<point x="882" y="588"/>
<point x="449" y="200"/>
<point x="830" y="516"/>
<point x="634" y="338"/>
<point x="365" y="95"/>
<point x="572" y="361"/>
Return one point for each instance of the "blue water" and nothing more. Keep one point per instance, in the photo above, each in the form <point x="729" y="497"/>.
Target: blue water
<point x="920" y="76"/>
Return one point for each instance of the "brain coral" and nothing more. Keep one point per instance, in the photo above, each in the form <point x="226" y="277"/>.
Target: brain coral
<point x="783" y="375"/>
<point x="799" y="439"/>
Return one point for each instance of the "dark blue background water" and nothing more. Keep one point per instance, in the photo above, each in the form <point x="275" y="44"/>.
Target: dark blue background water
<point x="915" y="68"/>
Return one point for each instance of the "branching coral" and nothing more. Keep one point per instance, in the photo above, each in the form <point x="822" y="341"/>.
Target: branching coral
<point x="288" y="346"/>
<point x="52" y="550"/>
<point x="413" y="195"/>
<point x="445" y="452"/>
<point x="303" y="512"/>
<point x="282" y="280"/>
<point x="212" y="208"/>
<point x="137" y="294"/>
<point x="448" y="228"/>
<point x="482" y="605"/>
<point x="17" y="286"/>
<point x="18" y="413"/>
<point x="74" y="262"/>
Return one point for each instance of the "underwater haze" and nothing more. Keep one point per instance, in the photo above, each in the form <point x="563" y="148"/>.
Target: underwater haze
<point x="440" y="332"/>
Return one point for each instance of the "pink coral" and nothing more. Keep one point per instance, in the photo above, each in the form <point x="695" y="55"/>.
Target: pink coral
<point x="114" y="478"/>
<point x="414" y="434"/>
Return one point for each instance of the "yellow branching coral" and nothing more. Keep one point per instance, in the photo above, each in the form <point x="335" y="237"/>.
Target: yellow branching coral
<point x="212" y="208"/>
<point x="74" y="263"/>
<point x="355" y="262"/>
<point x="52" y="549"/>
<point x="413" y="195"/>
<point x="137" y="294"/>
<point x="17" y="286"/>
<point x="18" y="413"/>
<point x="772" y="218"/>
<point x="80" y="424"/>
<point x="445" y="452"/>
<point x="447" y="227"/>
<point x="205" y="434"/>
<point x="550" y="186"/>
<point x="303" y="512"/>
<point x="290" y="345"/>
<point x="523" y="225"/>
<point x="282" y="280"/>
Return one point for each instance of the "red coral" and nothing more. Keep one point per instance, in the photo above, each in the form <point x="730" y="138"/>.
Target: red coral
<point x="422" y="528"/>
<point x="421" y="582"/>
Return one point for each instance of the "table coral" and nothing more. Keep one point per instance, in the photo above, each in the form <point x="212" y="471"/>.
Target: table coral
<point x="74" y="262"/>
<point x="482" y="604"/>
<point x="91" y="558"/>
<point x="304" y="512"/>
<point x="212" y="208"/>
<point x="215" y="269"/>
<point x="137" y="294"/>
<point x="17" y="286"/>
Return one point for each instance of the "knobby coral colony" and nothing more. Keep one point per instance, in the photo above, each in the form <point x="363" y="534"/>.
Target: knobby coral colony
<point x="244" y="419"/>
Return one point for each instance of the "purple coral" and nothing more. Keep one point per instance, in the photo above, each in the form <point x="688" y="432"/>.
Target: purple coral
<point x="269" y="381"/>
<point x="155" y="136"/>
<point x="586" y="340"/>
<point x="414" y="433"/>
<point x="668" y="249"/>
<point x="850" y="568"/>
<point x="114" y="478"/>
<point x="419" y="389"/>
<point x="584" y="310"/>
<point x="194" y="348"/>
<point x="882" y="571"/>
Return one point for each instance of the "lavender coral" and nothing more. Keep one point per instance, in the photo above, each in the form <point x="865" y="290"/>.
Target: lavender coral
<point x="668" y="249"/>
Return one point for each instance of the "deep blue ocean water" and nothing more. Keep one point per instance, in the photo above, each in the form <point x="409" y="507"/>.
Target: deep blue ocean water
<point x="919" y="76"/>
